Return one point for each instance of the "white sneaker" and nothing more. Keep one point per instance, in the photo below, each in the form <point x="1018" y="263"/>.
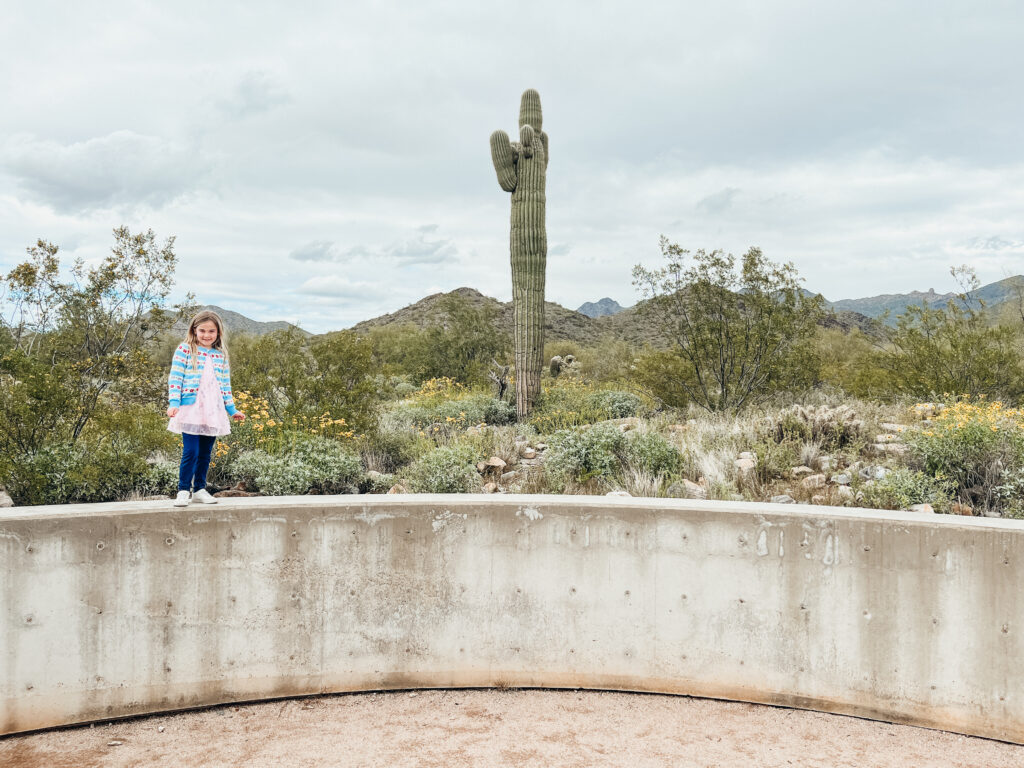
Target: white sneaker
<point x="183" y="498"/>
<point x="203" y="496"/>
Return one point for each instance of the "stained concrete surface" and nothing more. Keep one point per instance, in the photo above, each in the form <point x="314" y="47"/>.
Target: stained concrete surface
<point x="480" y="728"/>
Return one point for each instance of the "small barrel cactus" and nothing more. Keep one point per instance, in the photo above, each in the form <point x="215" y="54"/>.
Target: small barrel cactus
<point x="521" y="167"/>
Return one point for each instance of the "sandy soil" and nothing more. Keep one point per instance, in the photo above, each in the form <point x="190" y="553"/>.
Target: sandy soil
<point x="502" y="728"/>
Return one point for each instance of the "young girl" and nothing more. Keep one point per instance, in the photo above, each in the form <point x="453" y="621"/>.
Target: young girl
<point x="199" y="391"/>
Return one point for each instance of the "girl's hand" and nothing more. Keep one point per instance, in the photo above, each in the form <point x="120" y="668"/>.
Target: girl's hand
<point x="172" y="411"/>
<point x="238" y="416"/>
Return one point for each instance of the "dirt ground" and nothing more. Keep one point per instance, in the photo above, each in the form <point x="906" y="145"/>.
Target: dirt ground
<point x="458" y="728"/>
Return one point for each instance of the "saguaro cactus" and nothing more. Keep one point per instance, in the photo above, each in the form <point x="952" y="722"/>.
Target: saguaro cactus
<point x="522" y="169"/>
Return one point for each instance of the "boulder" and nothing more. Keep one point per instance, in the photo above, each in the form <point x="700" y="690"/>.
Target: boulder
<point x="783" y="498"/>
<point x="687" y="489"/>
<point x="818" y="498"/>
<point x="6" y="500"/>
<point x="961" y="509"/>
<point x="747" y="455"/>
<point x="744" y="465"/>
<point x="872" y="473"/>
<point x="398" y="488"/>
<point x="841" y="479"/>
<point x="813" y="481"/>
<point x="801" y="470"/>
<point x="618" y="493"/>
<point x="921" y="508"/>
<point x="492" y="465"/>
<point x="508" y="476"/>
<point x="529" y="453"/>
<point x="490" y="487"/>
<point x="845" y="492"/>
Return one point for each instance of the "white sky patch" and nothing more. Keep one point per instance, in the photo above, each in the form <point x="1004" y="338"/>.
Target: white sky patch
<point x="331" y="165"/>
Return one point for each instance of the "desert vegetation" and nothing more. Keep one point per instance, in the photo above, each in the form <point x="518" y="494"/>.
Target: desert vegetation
<point x="742" y="391"/>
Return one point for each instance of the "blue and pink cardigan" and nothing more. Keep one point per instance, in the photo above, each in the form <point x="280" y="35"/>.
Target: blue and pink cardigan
<point x="183" y="383"/>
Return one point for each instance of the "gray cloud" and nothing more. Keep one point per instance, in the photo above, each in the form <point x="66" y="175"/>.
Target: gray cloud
<point x="255" y="92"/>
<point x="718" y="202"/>
<point x="420" y="248"/>
<point x="121" y="168"/>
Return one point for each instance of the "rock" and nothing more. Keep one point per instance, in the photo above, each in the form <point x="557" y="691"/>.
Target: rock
<point x="841" y="479"/>
<point x="508" y="476"/>
<point x="5" y="500"/>
<point x="921" y="508"/>
<point x="541" y="447"/>
<point x="961" y="509"/>
<point x="888" y="426"/>
<point x="801" y="470"/>
<point x="818" y="498"/>
<point x="845" y="492"/>
<point x="687" y="489"/>
<point x="115" y="743"/>
<point x="873" y="473"/>
<point x="618" y="493"/>
<point x="529" y="453"/>
<point x="744" y="465"/>
<point x="160" y="729"/>
<point x="397" y="488"/>
<point x="490" y="487"/>
<point x="570" y="359"/>
<point x="887" y="438"/>
<point x="492" y="465"/>
<point x="234" y="493"/>
<point x="747" y="455"/>
<point x="813" y="481"/>
<point x="783" y="498"/>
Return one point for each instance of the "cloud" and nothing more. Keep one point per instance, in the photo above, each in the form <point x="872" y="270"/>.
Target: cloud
<point x="121" y="168"/>
<point x="718" y="202"/>
<point x="417" y="249"/>
<point x="255" y="92"/>
<point x="340" y="287"/>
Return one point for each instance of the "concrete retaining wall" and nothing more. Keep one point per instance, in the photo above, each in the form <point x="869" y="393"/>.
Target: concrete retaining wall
<point x="120" y="609"/>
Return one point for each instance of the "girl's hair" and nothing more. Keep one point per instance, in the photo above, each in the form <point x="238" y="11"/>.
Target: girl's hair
<point x="193" y="342"/>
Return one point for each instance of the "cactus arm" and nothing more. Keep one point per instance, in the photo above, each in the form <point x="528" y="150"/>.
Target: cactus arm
<point x="544" y="141"/>
<point x="529" y="110"/>
<point x="504" y="157"/>
<point x="526" y="138"/>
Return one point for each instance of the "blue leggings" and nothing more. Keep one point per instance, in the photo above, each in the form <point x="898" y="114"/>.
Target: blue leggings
<point x="195" y="460"/>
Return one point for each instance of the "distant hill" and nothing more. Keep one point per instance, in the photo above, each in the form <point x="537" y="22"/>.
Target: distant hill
<point x="561" y="324"/>
<point x="600" y="308"/>
<point x="992" y="294"/>
<point x="239" y="323"/>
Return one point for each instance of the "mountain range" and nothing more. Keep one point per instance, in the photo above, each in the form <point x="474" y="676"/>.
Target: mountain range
<point x="595" y="320"/>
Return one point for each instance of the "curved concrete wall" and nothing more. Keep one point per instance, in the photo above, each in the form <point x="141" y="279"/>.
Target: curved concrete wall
<point x="121" y="609"/>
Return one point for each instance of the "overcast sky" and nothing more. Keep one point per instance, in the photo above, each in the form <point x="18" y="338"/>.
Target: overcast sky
<point x="327" y="162"/>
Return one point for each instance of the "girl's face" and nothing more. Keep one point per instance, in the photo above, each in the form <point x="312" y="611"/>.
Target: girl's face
<point x="206" y="333"/>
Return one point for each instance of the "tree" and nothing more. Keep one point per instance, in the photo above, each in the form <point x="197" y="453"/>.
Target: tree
<point x="66" y="343"/>
<point x="463" y="343"/>
<point x="953" y="349"/>
<point x="735" y="336"/>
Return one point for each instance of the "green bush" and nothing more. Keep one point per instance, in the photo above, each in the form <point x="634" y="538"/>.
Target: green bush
<point x="308" y="462"/>
<point x="584" y="453"/>
<point x="84" y="472"/>
<point x="459" y="413"/>
<point x="972" y="445"/>
<point x="617" y="404"/>
<point x="449" y="469"/>
<point x="831" y="427"/>
<point x="652" y="453"/>
<point x="902" y="488"/>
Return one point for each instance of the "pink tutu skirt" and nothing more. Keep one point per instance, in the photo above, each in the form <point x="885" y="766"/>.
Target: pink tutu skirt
<point x="207" y="415"/>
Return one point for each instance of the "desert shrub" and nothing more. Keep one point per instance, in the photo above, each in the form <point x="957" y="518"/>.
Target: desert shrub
<point x="972" y="444"/>
<point x="903" y="487"/>
<point x="272" y="475"/>
<point x="830" y="427"/>
<point x="387" y="449"/>
<point x="448" y="469"/>
<point x="379" y="483"/>
<point x="306" y="462"/>
<point x="617" y="404"/>
<point x="652" y="453"/>
<point x="1010" y="493"/>
<point x="775" y="459"/>
<point x="584" y="453"/>
<point x="85" y="471"/>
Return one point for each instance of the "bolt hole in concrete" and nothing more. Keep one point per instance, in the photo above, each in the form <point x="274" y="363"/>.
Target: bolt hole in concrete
<point x="455" y="728"/>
